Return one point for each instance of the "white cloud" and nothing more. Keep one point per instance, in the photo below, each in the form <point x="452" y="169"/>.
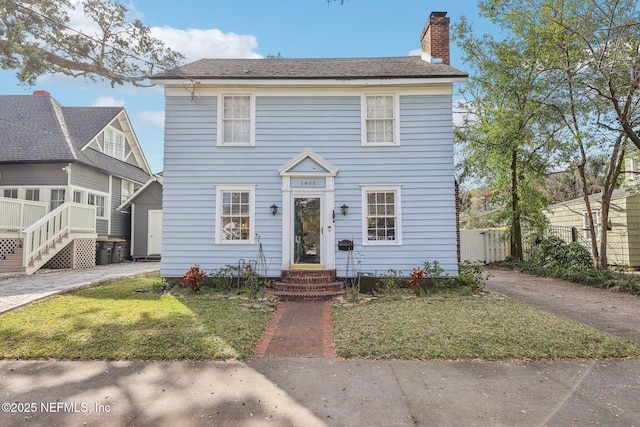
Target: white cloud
<point x="415" y="52"/>
<point x="211" y="43"/>
<point x="148" y="118"/>
<point x="108" y="101"/>
<point x="193" y="43"/>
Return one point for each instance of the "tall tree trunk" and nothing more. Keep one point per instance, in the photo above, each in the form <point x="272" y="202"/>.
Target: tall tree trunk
<point x="613" y="172"/>
<point x="516" y="232"/>
<point x="585" y="193"/>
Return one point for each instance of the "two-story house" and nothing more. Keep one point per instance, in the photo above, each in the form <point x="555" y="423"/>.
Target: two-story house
<point x="54" y="158"/>
<point x="296" y="155"/>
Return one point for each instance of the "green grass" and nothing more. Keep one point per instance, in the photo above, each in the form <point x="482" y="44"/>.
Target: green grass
<point x="117" y="321"/>
<point x="467" y="328"/>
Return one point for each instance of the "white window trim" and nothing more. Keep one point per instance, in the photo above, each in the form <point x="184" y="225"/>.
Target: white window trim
<point x="251" y="189"/>
<point x="66" y="196"/>
<point x="107" y="204"/>
<point x="596" y="224"/>
<point x="110" y="150"/>
<point x="122" y="188"/>
<point x="252" y="119"/>
<point x="398" y="209"/>
<point x="396" y="120"/>
<point x="26" y="189"/>
<point x="11" y="189"/>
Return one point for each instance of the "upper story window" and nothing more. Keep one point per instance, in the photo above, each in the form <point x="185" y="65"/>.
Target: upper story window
<point x="99" y="202"/>
<point x="235" y="219"/>
<point x="127" y="190"/>
<point x="78" y="196"/>
<point x="381" y="220"/>
<point x="236" y="120"/>
<point x="379" y="119"/>
<point x="114" y="143"/>
<point x="32" y="194"/>
<point x="57" y="197"/>
<point x="11" y="193"/>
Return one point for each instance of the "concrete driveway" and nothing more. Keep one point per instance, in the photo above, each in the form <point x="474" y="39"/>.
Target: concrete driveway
<point x="614" y="312"/>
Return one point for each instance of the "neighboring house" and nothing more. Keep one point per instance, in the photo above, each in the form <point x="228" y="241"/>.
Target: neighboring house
<point x="145" y="209"/>
<point x="54" y="158"/>
<point x="295" y="155"/>
<point x="623" y="231"/>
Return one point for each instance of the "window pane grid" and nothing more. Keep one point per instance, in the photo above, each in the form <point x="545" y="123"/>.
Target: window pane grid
<point x="380" y="118"/>
<point x="381" y="221"/>
<point x="236" y="215"/>
<point x="236" y="120"/>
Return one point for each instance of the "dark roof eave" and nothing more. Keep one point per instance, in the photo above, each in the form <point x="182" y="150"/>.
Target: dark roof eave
<point x="383" y="77"/>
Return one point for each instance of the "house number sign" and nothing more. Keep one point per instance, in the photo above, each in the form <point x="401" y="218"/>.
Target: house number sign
<point x="308" y="182"/>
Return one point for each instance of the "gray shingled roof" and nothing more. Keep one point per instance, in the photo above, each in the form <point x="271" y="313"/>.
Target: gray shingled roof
<point x="30" y="132"/>
<point x="317" y="68"/>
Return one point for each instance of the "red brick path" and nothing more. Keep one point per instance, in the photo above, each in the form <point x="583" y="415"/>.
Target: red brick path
<point x="298" y="329"/>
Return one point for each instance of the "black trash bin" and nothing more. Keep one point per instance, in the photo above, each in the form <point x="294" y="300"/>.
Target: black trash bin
<point x="117" y="255"/>
<point x="103" y="252"/>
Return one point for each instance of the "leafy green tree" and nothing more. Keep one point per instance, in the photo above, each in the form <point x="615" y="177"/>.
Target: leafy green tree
<point x="36" y="39"/>
<point x="503" y="141"/>
<point x="592" y="52"/>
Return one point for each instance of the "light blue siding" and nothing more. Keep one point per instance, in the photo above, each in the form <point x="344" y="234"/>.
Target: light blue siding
<point x="330" y="125"/>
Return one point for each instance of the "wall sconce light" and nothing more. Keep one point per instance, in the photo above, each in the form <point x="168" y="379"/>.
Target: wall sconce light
<point x="609" y="225"/>
<point x="274" y="209"/>
<point x="344" y="209"/>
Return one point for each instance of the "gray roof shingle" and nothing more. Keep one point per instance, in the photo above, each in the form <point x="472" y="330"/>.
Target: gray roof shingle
<point x="30" y="132"/>
<point x="316" y="68"/>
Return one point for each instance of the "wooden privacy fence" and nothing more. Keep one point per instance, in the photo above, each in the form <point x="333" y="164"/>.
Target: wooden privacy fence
<point x="490" y="245"/>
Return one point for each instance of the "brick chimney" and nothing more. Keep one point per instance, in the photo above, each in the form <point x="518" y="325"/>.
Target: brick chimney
<point x="435" y="39"/>
<point x="41" y="93"/>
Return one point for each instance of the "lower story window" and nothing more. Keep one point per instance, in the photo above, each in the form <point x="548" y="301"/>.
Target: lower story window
<point x="381" y="215"/>
<point x="235" y="214"/>
<point x="596" y="224"/>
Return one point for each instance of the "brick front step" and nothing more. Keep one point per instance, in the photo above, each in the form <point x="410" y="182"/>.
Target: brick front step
<point x="307" y="285"/>
<point x="316" y="287"/>
<point x="308" y="277"/>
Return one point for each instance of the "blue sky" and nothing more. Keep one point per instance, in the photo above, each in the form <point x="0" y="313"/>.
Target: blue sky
<point x="253" y="28"/>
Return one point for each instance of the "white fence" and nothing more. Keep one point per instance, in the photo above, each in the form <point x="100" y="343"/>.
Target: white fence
<point x="488" y="245"/>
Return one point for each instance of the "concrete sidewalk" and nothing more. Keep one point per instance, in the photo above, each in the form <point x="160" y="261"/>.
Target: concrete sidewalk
<point x="320" y="392"/>
<point x="19" y="290"/>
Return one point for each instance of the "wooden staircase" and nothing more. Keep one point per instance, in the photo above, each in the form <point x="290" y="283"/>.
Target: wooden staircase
<point x="307" y="285"/>
<point x="12" y="262"/>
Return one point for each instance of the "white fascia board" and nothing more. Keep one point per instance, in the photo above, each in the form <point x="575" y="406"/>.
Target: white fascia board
<point x="308" y="82"/>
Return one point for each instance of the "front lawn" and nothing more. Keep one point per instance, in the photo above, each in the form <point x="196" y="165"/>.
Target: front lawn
<point x="129" y="319"/>
<point x="467" y="328"/>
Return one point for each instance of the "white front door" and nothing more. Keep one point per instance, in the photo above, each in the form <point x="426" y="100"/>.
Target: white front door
<point x="154" y="230"/>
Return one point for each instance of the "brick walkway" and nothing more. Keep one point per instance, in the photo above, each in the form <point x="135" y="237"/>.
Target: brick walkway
<point x="298" y="329"/>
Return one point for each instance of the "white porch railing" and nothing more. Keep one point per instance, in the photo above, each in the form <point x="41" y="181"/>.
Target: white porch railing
<point x="17" y="214"/>
<point x="66" y="218"/>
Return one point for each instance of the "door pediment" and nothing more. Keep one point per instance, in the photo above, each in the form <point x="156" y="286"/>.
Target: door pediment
<point x="308" y="163"/>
